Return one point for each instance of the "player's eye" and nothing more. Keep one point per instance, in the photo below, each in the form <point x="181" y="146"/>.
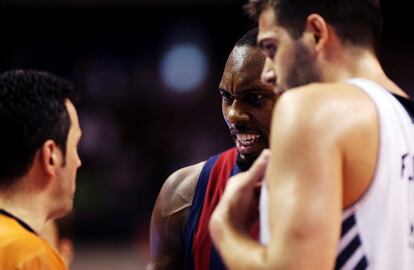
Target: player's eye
<point x="226" y="97"/>
<point x="255" y="98"/>
<point x="269" y="48"/>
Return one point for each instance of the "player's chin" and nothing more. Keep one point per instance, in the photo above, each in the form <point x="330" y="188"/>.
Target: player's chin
<point x="68" y="209"/>
<point x="63" y="210"/>
<point x="252" y="156"/>
<point x="251" y="153"/>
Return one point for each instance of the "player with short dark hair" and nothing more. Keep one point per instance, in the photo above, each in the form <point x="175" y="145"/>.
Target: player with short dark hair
<point x="338" y="190"/>
<point x="179" y="226"/>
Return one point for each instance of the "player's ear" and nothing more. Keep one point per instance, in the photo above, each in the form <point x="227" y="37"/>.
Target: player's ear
<point x="317" y="30"/>
<point x="50" y="157"/>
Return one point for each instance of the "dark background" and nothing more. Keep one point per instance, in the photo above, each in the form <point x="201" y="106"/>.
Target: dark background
<point x="137" y="131"/>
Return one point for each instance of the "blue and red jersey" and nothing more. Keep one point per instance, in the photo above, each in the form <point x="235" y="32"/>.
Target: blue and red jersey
<point x="200" y="254"/>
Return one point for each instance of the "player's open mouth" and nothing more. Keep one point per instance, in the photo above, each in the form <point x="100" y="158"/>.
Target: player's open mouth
<point x="245" y="142"/>
<point x="247" y="139"/>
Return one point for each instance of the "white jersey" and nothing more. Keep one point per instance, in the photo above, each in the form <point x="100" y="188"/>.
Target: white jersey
<point x="378" y="231"/>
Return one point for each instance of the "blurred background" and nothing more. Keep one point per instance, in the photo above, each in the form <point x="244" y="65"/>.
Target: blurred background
<point x="148" y="72"/>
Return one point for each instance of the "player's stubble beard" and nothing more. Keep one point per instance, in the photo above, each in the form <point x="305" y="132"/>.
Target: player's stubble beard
<point x="303" y="69"/>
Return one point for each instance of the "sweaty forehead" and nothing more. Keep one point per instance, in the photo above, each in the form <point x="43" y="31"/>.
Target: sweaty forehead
<point x="243" y="67"/>
<point x="245" y="59"/>
<point x="238" y="57"/>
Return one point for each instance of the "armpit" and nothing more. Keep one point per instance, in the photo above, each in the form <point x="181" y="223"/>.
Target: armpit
<point x="178" y="191"/>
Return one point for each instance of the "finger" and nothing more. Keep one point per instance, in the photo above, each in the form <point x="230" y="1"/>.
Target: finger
<point x="258" y="169"/>
<point x="248" y="180"/>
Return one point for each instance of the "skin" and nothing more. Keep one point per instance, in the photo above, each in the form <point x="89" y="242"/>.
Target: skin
<point x="65" y="190"/>
<point x="247" y="104"/>
<point x="315" y="168"/>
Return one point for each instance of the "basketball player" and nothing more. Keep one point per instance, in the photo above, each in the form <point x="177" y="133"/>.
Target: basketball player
<point x="338" y="190"/>
<point x="39" y="137"/>
<point x="179" y="227"/>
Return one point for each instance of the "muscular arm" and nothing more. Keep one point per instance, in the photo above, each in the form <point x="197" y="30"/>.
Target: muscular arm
<point x="314" y="136"/>
<point x="169" y="217"/>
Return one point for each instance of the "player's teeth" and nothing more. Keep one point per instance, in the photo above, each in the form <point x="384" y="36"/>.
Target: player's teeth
<point x="247" y="137"/>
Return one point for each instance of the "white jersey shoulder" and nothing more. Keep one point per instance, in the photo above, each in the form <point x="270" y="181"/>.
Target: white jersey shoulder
<point x="378" y="231"/>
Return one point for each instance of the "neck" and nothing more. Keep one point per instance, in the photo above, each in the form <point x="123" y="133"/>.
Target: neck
<point x="351" y="63"/>
<point x="359" y="63"/>
<point x="25" y="206"/>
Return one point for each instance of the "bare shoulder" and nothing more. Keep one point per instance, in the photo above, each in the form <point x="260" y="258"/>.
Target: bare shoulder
<point x="332" y="118"/>
<point x="178" y="190"/>
<point x="169" y="217"/>
<point x="335" y="108"/>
